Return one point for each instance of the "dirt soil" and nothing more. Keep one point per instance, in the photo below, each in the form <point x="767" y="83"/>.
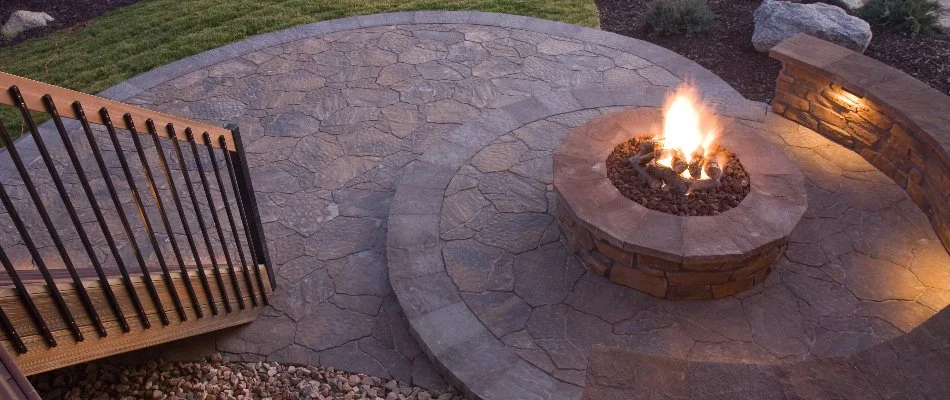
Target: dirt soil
<point x="726" y="48"/>
<point x="66" y="14"/>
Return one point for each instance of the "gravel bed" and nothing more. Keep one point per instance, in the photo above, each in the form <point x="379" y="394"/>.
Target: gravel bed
<point x="217" y="378"/>
<point x="734" y="185"/>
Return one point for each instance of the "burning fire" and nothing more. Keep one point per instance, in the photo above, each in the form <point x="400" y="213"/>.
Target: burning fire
<point x="689" y="128"/>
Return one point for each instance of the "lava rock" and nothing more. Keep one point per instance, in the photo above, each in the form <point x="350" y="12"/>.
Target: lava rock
<point x="776" y="21"/>
<point x="22" y="20"/>
<point x="734" y="185"/>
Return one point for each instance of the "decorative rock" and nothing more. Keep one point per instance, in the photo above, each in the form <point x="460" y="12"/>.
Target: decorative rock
<point x="23" y="20"/>
<point x="210" y="379"/>
<point x="776" y="21"/>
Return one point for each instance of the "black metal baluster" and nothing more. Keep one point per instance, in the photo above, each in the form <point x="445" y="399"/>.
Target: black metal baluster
<point x="181" y="212"/>
<point x="227" y="210"/>
<point x="77" y="165"/>
<point x="130" y="125"/>
<point x="146" y="275"/>
<point x="201" y="223"/>
<point x="11" y="332"/>
<point x="150" y="125"/>
<point x="24" y="294"/>
<point x="217" y="223"/>
<point x="110" y="241"/>
<point x="243" y="215"/>
<point x="48" y="223"/>
<point x="28" y="241"/>
<point x="255" y="229"/>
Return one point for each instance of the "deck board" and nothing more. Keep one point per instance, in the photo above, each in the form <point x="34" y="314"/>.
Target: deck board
<point x="40" y="358"/>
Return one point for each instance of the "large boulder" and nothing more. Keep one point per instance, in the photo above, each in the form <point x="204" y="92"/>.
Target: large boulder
<point x="22" y="20"/>
<point x="776" y="21"/>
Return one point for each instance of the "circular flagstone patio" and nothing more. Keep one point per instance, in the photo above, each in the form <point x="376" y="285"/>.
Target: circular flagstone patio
<point x="332" y="113"/>
<point x="480" y="267"/>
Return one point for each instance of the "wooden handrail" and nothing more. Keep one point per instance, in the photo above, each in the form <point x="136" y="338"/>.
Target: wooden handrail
<point x="33" y="92"/>
<point x="56" y="319"/>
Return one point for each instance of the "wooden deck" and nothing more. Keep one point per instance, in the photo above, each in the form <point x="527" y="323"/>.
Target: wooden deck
<point x="52" y="317"/>
<point x="40" y="357"/>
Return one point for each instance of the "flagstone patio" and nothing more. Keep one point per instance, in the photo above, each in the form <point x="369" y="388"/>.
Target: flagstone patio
<point x="412" y="151"/>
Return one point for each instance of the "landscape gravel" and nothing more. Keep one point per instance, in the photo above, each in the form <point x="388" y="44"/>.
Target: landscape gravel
<point x="217" y="378"/>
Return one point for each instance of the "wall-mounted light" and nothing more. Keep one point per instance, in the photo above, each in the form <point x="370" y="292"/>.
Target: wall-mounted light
<point x="852" y="94"/>
<point x="846" y="95"/>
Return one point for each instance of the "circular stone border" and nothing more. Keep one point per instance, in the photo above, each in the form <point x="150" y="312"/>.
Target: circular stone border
<point x="664" y="58"/>
<point x="665" y="255"/>
<point x="460" y="346"/>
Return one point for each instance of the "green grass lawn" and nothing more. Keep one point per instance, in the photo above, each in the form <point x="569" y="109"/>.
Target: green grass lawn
<point x="134" y="39"/>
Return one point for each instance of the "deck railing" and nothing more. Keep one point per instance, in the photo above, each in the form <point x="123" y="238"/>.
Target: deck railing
<point x="89" y="270"/>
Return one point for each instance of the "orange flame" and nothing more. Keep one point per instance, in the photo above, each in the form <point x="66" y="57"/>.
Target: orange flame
<point x="688" y="125"/>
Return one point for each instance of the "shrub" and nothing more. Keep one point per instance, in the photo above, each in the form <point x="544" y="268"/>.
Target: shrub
<point x="911" y="16"/>
<point x="672" y="16"/>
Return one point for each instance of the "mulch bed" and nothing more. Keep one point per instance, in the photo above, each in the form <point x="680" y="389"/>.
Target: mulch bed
<point x="726" y="48"/>
<point x="734" y="185"/>
<point x="66" y="14"/>
<point x="925" y="58"/>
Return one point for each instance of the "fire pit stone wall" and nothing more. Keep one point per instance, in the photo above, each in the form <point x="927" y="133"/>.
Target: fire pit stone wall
<point x="665" y="255"/>
<point x="897" y="123"/>
<point x="665" y="276"/>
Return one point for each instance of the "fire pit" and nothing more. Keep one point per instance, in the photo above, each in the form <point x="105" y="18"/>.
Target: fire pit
<point x="682" y="170"/>
<point x="679" y="203"/>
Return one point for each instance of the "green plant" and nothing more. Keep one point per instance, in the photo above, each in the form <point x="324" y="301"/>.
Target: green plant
<point x="673" y="16"/>
<point x="911" y="16"/>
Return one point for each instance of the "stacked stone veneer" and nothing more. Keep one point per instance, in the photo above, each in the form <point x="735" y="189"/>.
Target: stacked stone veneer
<point x="897" y="123"/>
<point x="661" y="275"/>
<point x="665" y="255"/>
